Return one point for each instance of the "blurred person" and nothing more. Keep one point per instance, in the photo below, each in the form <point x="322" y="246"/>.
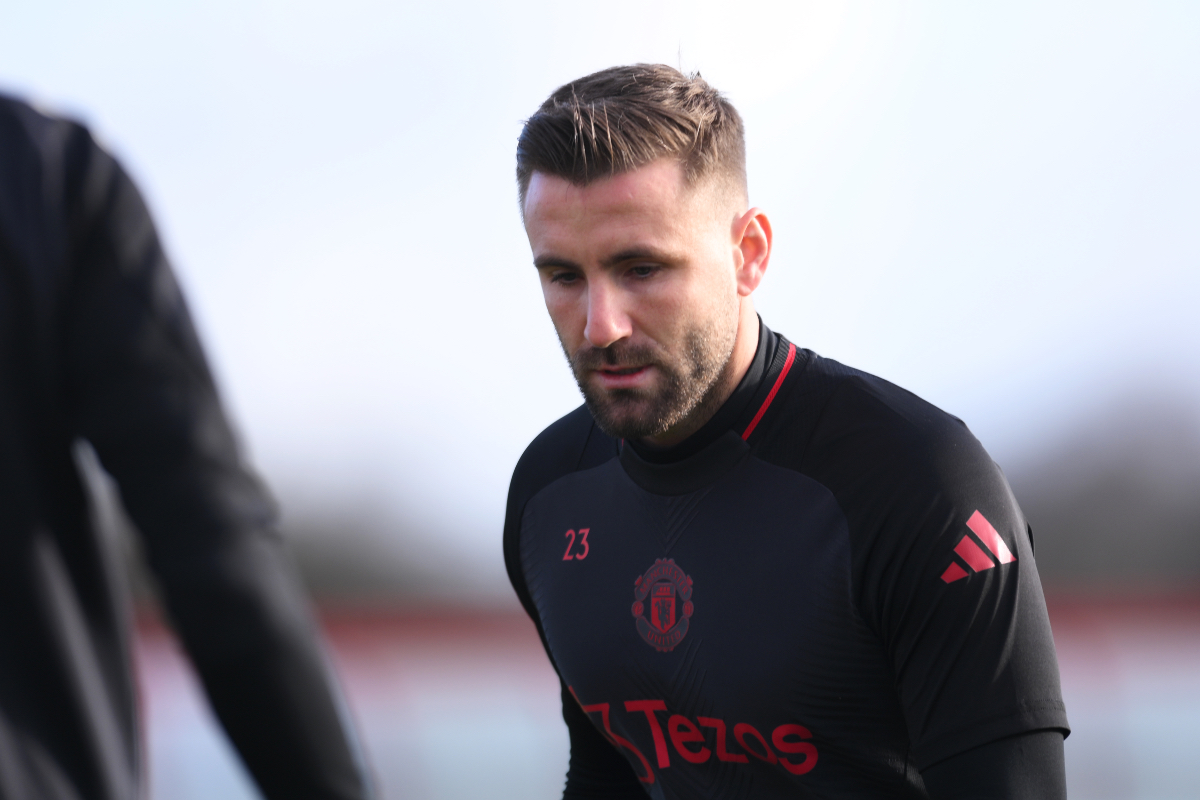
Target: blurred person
<point x="96" y="345"/>
<point x="757" y="572"/>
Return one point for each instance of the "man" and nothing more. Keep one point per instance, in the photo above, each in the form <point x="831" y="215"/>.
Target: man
<point x="758" y="573"/>
<point x="96" y="346"/>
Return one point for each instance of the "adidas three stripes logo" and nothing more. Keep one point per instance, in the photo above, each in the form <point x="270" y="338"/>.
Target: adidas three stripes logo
<point x="973" y="555"/>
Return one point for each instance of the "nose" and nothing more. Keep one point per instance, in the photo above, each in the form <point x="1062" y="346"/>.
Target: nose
<point x="607" y="320"/>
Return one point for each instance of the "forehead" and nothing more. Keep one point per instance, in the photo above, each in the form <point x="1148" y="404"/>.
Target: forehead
<point x="652" y="201"/>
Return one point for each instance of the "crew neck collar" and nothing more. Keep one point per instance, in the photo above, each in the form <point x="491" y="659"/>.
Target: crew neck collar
<point x="689" y="473"/>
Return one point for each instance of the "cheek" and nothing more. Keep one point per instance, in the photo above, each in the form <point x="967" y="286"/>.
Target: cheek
<point x="713" y="295"/>
<point x="567" y="313"/>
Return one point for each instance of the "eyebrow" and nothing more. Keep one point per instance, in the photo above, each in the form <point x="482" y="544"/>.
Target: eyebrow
<point x="542" y="262"/>
<point x="631" y="254"/>
<point x="636" y="254"/>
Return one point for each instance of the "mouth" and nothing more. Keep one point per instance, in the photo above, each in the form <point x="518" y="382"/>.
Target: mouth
<point x="623" y="377"/>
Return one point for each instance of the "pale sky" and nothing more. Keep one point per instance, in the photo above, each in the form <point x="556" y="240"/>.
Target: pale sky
<point x="994" y="205"/>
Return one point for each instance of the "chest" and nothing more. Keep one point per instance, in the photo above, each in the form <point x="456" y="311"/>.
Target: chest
<point x="710" y="627"/>
<point x="744" y="575"/>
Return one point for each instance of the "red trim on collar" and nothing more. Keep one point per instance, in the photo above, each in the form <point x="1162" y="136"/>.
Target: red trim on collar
<point x="787" y="365"/>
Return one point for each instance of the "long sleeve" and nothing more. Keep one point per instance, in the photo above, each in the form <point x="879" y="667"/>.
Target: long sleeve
<point x="138" y="388"/>
<point x="1029" y="766"/>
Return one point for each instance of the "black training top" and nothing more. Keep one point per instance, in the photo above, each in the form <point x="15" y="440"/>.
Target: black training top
<point x="825" y="591"/>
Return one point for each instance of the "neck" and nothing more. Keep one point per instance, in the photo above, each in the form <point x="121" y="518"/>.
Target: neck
<point x="735" y="369"/>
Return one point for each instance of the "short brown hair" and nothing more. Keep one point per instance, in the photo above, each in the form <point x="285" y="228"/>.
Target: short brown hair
<point x="622" y="118"/>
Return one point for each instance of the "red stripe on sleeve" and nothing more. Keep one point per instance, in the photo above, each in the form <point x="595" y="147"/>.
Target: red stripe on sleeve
<point x="987" y="534"/>
<point x="970" y="553"/>
<point x="953" y="573"/>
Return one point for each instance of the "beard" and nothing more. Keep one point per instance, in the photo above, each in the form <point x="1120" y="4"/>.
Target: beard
<point x="688" y="382"/>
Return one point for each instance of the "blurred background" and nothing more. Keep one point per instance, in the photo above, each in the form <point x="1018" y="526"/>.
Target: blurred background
<point x="996" y="206"/>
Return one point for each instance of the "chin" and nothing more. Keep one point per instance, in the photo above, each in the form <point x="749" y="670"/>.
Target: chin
<point x="625" y="419"/>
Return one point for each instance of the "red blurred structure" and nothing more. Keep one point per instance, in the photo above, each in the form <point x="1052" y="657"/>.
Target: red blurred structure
<point x="457" y="704"/>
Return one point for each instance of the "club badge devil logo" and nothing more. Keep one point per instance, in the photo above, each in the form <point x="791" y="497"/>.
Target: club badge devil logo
<point x="666" y="585"/>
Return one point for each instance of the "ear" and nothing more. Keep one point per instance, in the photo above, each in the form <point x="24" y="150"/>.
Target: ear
<point x="752" y="238"/>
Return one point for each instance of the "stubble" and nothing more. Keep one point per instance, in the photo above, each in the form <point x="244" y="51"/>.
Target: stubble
<point x="689" y="384"/>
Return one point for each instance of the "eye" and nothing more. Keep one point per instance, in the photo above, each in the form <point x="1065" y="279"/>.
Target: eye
<point x="643" y="270"/>
<point x="564" y="277"/>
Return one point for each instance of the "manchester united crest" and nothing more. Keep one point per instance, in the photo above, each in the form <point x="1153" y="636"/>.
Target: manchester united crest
<point x="670" y="595"/>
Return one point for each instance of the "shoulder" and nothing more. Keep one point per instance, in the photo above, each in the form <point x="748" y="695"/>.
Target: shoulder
<point x="909" y="477"/>
<point x="839" y="424"/>
<point x="571" y="443"/>
<point x="47" y="135"/>
<point x="902" y="470"/>
<point x="21" y="124"/>
<point x="893" y="423"/>
<point x="52" y="164"/>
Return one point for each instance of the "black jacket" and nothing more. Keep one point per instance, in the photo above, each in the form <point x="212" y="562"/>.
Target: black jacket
<point x="96" y="345"/>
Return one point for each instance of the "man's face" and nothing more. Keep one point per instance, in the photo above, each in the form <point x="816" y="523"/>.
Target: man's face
<point x="639" y="275"/>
